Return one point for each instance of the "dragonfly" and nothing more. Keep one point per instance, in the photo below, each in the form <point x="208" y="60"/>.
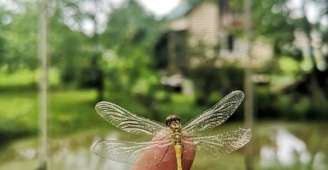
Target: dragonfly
<point x="172" y="138"/>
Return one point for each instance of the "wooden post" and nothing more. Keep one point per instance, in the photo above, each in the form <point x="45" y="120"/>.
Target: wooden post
<point x="248" y="83"/>
<point x="43" y="101"/>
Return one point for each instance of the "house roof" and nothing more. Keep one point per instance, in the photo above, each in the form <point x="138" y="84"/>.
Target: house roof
<point x="181" y="10"/>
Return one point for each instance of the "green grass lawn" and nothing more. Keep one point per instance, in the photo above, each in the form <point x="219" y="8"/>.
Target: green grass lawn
<point x="69" y="110"/>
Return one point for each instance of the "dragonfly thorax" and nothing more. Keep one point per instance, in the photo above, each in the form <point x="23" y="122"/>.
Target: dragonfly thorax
<point x="174" y="123"/>
<point x="172" y="119"/>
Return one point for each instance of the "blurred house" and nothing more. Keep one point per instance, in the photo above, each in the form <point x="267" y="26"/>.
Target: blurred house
<point x="198" y="32"/>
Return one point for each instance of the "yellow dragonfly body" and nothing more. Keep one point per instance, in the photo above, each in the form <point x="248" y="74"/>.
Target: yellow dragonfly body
<point x="182" y="138"/>
<point x="173" y="122"/>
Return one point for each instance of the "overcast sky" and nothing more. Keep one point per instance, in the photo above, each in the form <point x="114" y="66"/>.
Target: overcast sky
<point x="159" y="7"/>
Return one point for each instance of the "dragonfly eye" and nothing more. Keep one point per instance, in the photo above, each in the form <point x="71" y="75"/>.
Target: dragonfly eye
<point x="177" y="119"/>
<point x="171" y="119"/>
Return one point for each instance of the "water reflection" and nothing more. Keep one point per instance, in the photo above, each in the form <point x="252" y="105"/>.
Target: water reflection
<point x="319" y="161"/>
<point x="28" y="153"/>
<point x="82" y="158"/>
<point x="288" y="151"/>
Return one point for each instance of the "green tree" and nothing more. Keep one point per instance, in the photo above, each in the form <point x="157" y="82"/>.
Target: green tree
<point x="130" y="35"/>
<point x="124" y="30"/>
<point x="284" y="21"/>
<point x="18" y="36"/>
<point x="85" y="16"/>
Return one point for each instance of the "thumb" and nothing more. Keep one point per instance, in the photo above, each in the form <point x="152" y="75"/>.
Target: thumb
<point x="188" y="150"/>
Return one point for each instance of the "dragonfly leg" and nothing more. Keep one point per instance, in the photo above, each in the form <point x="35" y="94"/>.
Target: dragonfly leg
<point x="167" y="149"/>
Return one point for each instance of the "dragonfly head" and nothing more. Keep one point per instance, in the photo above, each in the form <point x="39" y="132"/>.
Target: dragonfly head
<point x="172" y="119"/>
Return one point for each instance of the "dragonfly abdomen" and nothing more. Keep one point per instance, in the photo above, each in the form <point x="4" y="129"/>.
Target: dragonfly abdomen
<point x="173" y="122"/>
<point x="178" y="154"/>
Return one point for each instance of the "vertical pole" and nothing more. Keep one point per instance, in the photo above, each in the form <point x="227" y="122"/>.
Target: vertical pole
<point x="43" y="102"/>
<point x="248" y="83"/>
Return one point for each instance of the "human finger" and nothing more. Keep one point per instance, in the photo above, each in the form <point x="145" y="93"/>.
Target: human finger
<point x="171" y="163"/>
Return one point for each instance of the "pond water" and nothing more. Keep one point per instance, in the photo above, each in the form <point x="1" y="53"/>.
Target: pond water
<point x="289" y="151"/>
<point x="276" y="146"/>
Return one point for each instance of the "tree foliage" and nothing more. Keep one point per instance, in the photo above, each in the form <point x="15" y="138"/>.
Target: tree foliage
<point x="18" y="36"/>
<point x="130" y="40"/>
<point x="295" y="32"/>
<point x="123" y="49"/>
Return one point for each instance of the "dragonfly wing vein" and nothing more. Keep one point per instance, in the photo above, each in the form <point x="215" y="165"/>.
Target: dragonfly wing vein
<point x="217" y="114"/>
<point x="208" y="147"/>
<point x="127" y="121"/>
<point x="130" y="152"/>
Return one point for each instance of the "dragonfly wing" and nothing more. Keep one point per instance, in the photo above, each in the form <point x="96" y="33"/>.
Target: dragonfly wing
<point x="131" y="152"/>
<point x="127" y="121"/>
<point x="216" y="115"/>
<point x="215" y="146"/>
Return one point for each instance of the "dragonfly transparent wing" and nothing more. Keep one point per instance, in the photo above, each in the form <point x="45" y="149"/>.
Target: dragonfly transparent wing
<point x="216" y="115"/>
<point x="127" y="121"/>
<point x="131" y="152"/>
<point x="208" y="147"/>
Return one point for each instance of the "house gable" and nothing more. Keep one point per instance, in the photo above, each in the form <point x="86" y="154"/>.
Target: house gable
<point x="201" y="22"/>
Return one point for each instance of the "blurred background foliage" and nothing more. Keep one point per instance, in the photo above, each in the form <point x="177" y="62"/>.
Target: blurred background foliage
<point x="104" y="50"/>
